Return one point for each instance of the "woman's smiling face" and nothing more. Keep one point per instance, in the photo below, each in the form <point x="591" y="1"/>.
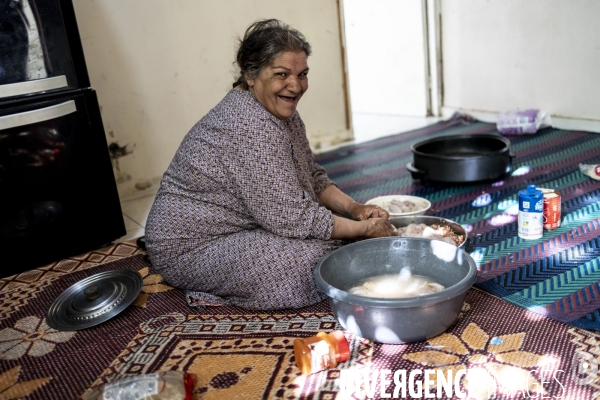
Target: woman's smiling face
<point x="281" y="84"/>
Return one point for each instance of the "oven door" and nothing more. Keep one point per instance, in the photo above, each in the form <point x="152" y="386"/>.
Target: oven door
<point x="40" y="48"/>
<point x="58" y="191"/>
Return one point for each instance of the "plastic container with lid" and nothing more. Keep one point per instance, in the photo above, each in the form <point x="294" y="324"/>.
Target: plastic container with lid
<point x="320" y="352"/>
<point x="531" y="213"/>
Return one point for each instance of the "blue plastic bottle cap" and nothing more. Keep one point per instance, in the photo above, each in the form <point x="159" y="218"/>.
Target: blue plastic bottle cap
<point x="531" y="189"/>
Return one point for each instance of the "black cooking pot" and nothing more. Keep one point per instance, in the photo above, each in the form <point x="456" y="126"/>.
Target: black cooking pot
<point x="461" y="158"/>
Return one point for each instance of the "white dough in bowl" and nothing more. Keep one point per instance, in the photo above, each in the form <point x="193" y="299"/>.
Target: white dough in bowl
<point x="399" y="285"/>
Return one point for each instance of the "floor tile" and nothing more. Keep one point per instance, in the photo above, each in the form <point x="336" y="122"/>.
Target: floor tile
<point x="138" y="209"/>
<point x="130" y="223"/>
<point x="372" y="126"/>
<point x="131" y="234"/>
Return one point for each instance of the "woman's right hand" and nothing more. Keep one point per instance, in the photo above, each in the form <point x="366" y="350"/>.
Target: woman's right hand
<point x="344" y="228"/>
<point x="379" y="227"/>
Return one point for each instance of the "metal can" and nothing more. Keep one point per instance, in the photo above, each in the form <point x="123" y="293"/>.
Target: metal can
<point x="531" y="213"/>
<point x="551" y="208"/>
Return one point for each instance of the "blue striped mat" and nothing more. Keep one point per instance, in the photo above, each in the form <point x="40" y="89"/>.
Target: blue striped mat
<point x="558" y="275"/>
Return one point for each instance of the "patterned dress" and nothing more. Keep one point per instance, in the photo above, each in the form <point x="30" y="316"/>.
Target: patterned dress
<point x="237" y="219"/>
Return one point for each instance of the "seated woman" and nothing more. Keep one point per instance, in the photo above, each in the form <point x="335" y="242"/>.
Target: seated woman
<point x="243" y="213"/>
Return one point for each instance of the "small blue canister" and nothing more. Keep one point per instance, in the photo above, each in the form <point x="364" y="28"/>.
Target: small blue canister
<point x="531" y="213"/>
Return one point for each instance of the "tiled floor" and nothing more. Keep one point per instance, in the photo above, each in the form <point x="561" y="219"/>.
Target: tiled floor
<point x="372" y="126"/>
<point x="135" y="213"/>
<point x="366" y="127"/>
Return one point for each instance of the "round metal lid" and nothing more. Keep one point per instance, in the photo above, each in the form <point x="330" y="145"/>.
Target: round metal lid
<point x="94" y="300"/>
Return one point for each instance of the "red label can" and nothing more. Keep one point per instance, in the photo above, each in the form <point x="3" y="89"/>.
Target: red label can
<point x="551" y="208"/>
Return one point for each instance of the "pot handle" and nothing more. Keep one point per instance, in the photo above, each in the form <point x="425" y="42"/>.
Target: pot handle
<point x="416" y="173"/>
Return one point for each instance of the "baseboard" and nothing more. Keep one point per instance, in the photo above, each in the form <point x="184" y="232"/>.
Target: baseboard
<point x="589" y="125"/>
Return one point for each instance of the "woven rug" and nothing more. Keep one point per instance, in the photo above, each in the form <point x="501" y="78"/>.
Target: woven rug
<point x="506" y="351"/>
<point x="557" y="276"/>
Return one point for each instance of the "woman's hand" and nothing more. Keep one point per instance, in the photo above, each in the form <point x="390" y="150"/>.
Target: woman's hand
<point x="344" y="228"/>
<point x="379" y="227"/>
<point x="363" y="221"/>
<point x="360" y="212"/>
<point x="338" y="202"/>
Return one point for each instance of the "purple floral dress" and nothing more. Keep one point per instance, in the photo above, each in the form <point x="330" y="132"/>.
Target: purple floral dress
<point x="237" y="219"/>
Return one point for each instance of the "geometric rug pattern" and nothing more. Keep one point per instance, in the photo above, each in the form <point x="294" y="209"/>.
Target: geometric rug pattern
<point x="503" y="350"/>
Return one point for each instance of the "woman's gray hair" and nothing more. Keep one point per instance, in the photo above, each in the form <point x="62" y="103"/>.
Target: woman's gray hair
<point x="263" y="41"/>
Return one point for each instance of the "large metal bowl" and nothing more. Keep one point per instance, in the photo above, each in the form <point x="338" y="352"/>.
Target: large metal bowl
<point x="401" y="222"/>
<point x="401" y="320"/>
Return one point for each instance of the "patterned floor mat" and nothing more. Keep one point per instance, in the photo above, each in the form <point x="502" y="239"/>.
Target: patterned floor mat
<point x="502" y="349"/>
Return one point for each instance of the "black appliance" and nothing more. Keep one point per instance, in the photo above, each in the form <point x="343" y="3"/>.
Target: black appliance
<point x="58" y="195"/>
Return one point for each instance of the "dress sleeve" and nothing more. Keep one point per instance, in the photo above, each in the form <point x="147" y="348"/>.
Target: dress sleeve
<point x="320" y="179"/>
<point x="261" y="167"/>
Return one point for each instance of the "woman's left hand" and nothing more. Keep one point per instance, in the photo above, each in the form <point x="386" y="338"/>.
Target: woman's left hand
<point x="360" y="212"/>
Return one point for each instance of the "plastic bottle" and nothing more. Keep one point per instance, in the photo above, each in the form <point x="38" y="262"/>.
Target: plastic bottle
<point x="531" y="213"/>
<point x="320" y="352"/>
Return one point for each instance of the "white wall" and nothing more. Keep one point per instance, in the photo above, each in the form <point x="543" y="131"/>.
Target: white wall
<point x="516" y="54"/>
<point x="160" y="65"/>
<point x="386" y="56"/>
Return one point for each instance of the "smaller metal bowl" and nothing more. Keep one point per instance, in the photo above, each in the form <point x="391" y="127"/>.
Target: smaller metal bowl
<point x="384" y="202"/>
<point x="401" y="222"/>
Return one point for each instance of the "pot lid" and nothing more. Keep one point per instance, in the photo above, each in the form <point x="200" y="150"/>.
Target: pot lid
<point x="94" y="300"/>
